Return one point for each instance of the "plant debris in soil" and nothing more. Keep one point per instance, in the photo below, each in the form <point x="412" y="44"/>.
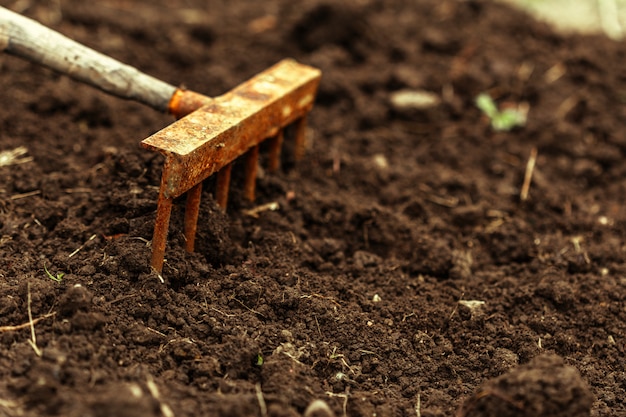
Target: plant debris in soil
<point x="400" y="274"/>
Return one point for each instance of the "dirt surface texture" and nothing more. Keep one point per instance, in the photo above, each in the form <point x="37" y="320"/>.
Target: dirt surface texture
<point x="419" y="262"/>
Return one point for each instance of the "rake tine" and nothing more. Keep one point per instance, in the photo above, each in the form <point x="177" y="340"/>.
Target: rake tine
<point x="161" y="224"/>
<point x="222" y="186"/>
<point x="276" y="143"/>
<point x="300" y="138"/>
<point x="252" y="159"/>
<point x="192" y="209"/>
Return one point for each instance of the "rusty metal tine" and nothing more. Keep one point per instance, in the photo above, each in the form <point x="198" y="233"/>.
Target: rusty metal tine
<point x="192" y="209"/>
<point x="300" y="148"/>
<point x="208" y="140"/>
<point x="222" y="186"/>
<point x="276" y="144"/>
<point x="252" y="160"/>
<point x="161" y="224"/>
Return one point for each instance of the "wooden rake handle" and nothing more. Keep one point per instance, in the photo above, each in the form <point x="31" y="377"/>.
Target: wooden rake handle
<point x="28" y="39"/>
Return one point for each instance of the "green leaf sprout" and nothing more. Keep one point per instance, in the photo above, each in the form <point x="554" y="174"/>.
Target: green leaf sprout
<point x="504" y="120"/>
<point x="259" y="360"/>
<point x="58" y="277"/>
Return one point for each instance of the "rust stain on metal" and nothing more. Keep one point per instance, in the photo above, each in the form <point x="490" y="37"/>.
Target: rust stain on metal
<point x="207" y="140"/>
<point x="276" y="144"/>
<point x="184" y="102"/>
<point x="300" y="138"/>
<point x="252" y="160"/>
<point x="222" y="185"/>
<point x="192" y="209"/>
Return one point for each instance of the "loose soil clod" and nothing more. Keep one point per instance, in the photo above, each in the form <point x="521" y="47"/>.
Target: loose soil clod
<point x="544" y="387"/>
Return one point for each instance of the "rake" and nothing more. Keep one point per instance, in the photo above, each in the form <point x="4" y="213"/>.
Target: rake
<point x="210" y="133"/>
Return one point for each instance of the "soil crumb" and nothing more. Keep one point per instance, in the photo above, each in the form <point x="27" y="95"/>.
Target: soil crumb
<point x="544" y="387"/>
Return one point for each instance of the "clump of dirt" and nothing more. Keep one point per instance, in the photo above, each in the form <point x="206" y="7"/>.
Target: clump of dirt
<point x="545" y="386"/>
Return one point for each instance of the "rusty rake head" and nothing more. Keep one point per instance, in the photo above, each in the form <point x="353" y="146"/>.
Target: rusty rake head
<point x="208" y="140"/>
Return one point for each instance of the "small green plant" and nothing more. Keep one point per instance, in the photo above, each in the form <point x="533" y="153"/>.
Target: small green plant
<point x="58" y="277"/>
<point x="259" y="360"/>
<point x="504" y="120"/>
<point x="334" y="355"/>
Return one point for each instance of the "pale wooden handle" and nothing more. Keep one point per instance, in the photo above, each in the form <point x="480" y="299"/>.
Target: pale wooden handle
<point x="31" y="40"/>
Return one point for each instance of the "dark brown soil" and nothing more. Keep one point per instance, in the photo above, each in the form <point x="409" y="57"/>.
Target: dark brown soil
<point x="543" y="387"/>
<point x="356" y="290"/>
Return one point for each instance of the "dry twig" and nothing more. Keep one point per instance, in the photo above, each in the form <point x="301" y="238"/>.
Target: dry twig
<point x="25" y="195"/>
<point x="418" y="405"/>
<point x="4" y="329"/>
<point x="14" y="156"/>
<point x="259" y="396"/>
<point x="254" y="212"/>
<point x="33" y="338"/>
<point x="530" y="167"/>
<point x="345" y="400"/>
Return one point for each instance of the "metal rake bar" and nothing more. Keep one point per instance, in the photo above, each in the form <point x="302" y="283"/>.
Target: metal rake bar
<point x="208" y="140"/>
